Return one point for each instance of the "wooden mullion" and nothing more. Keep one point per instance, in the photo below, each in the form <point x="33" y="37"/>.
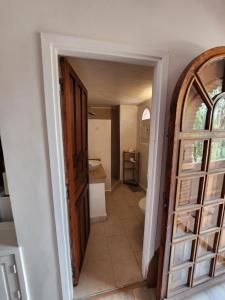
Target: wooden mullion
<point x="202" y="135"/>
<point x="223" y="85"/>
<point x="201" y="89"/>
<point x="181" y="266"/>
<point x="187" y="208"/>
<point x="191" y="175"/>
<point x="219" y="237"/>
<point x="203" y="190"/>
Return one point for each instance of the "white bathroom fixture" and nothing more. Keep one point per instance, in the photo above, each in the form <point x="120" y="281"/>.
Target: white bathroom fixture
<point x="142" y="204"/>
<point x="93" y="164"/>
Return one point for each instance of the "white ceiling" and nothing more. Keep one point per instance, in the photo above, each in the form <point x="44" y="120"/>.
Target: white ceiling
<point x="113" y="83"/>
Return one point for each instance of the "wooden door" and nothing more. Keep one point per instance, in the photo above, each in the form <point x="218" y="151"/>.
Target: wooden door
<point x="192" y="251"/>
<point x="74" y="116"/>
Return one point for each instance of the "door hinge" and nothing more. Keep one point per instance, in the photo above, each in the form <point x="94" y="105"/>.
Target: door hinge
<point x="61" y="86"/>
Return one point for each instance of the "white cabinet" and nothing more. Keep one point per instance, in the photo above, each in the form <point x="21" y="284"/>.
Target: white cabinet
<point x="9" y="283"/>
<point x="97" y="201"/>
<point x="12" y="276"/>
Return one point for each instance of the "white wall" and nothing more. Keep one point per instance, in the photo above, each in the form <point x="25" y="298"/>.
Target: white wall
<point x="99" y="145"/>
<point x="184" y="28"/>
<point x="128" y="131"/>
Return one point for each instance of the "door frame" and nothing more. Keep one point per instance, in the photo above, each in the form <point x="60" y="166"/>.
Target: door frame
<point x="52" y="47"/>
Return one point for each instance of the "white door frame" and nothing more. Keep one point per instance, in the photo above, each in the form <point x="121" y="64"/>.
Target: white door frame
<point x="55" y="45"/>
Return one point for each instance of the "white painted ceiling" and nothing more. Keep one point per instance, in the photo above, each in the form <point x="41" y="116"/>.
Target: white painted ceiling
<point x="113" y="83"/>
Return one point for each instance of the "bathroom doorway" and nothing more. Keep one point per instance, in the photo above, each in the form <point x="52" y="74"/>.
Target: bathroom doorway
<point x="52" y="47"/>
<point x="117" y="112"/>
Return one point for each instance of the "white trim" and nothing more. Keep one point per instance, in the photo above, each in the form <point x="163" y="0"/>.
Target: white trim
<point x="52" y="47"/>
<point x="22" y="274"/>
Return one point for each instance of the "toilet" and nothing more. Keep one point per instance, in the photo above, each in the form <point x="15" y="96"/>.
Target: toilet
<point x="142" y="204"/>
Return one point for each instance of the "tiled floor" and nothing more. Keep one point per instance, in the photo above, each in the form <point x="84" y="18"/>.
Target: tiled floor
<point x="114" y="251"/>
<point x="135" y="293"/>
<point x="142" y="293"/>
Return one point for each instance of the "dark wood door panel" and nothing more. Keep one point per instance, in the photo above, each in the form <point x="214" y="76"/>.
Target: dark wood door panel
<point x="74" y="116"/>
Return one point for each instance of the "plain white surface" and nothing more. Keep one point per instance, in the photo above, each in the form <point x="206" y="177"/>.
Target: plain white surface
<point x="184" y="28"/>
<point x="113" y="83"/>
<point x="97" y="200"/>
<point x="99" y="145"/>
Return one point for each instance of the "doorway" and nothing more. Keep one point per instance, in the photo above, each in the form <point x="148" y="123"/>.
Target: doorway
<point x="113" y="258"/>
<point x="52" y="47"/>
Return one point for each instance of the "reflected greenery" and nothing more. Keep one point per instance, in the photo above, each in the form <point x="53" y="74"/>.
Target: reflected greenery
<point x="219" y="115"/>
<point x="200" y="117"/>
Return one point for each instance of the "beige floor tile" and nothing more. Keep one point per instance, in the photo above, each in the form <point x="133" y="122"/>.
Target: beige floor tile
<point x="136" y="240"/>
<point x="111" y="212"/>
<point x="132" y="225"/>
<point x="113" y="226"/>
<point x="139" y="195"/>
<point x="126" y="271"/>
<point x="125" y="213"/>
<point x="139" y="214"/>
<point x="97" y="248"/>
<point x="119" y="248"/>
<point x="126" y="295"/>
<point x="98" y="228"/>
<point x="114" y="249"/>
<point x="96" y="277"/>
<point x="132" y="202"/>
<point x="143" y="293"/>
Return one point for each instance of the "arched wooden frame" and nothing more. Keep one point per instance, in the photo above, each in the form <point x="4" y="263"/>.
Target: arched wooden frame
<point x="189" y="77"/>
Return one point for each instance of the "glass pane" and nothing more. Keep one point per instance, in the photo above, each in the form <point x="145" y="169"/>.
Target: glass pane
<point x="217" y="156"/>
<point x="185" y="223"/>
<point x="214" y="187"/>
<point x="210" y="217"/>
<point x="178" y="279"/>
<point x="220" y="263"/>
<point x="219" y="115"/>
<point x="206" y="244"/>
<point x="189" y="191"/>
<point x="182" y="252"/>
<point x="195" y="112"/>
<point x="211" y="76"/>
<point x="202" y="269"/>
<point x="191" y="155"/>
<point x="222" y="239"/>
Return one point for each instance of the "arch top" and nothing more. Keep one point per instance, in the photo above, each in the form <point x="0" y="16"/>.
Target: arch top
<point x="200" y="86"/>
